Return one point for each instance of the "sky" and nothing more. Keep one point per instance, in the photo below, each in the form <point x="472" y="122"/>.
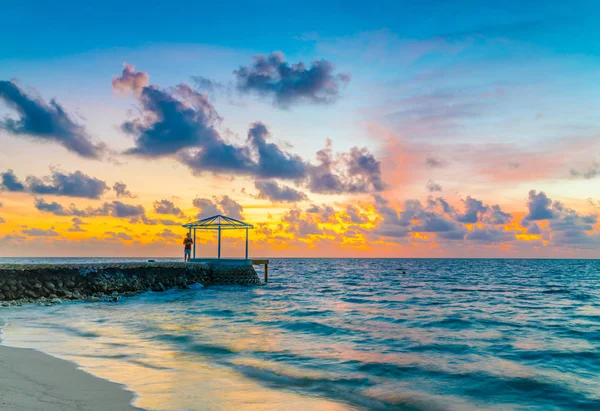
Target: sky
<point x="436" y="128"/>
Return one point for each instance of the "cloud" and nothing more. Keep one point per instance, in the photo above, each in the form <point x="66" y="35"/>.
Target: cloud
<point x="497" y="216"/>
<point x="121" y="190"/>
<point x="37" y="232"/>
<point x="210" y="86"/>
<point x="592" y="172"/>
<point x="354" y="172"/>
<point x="58" y="209"/>
<point x="115" y="208"/>
<point x="10" y="182"/>
<point x="76" y="184"/>
<point x="434" y="162"/>
<point x="489" y="235"/>
<point x="272" y="161"/>
<point x="324" y="213"/>
<point x="270" y="76"/>
<point x="223" y="205"/>
<point x="130" y="80"/>
<point x="300" y="224"/>
<point x="432" y="186"/>
<point x="539" y="206"/>
<point x="172" y="121"/>
<point x="168" y="235"/>
<point x="474" y="210"/>
<point x="271" y="190"/>
<point x="354" y="215"/>
<point x="167" y="207"/>
<point x="76" y="228"/>
<point x="45" y="122"/>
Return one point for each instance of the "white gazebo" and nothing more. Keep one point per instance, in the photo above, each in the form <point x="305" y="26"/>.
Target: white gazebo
<point x="219" y="223"/>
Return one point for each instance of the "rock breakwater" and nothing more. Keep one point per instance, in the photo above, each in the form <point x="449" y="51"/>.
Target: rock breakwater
<point x="50" y="284"/>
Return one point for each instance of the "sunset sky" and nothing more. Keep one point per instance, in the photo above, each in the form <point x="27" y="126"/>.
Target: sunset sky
<point x="339" y="129"/>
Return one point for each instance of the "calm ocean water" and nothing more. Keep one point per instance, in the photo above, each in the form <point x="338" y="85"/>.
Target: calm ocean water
<point x="335" y="334"/>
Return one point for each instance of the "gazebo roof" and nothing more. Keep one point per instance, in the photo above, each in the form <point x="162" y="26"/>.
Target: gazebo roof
<point x="218" y="222"/>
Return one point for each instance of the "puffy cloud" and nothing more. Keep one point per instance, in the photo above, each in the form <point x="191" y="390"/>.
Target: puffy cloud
<point x="272" y="161"/>
<point x="167" y="207"/>
<point x="76" y="184"/>
<point x="474" y="209"/>
<point x="223" y="205"/>
<point x="38" y="232"/>
<point x="168" y="235"/>
<point x="432" y="186"/>
<point x="172" y="121"/>
<point x="130" y="80"/>
<point x="497" y="216"/>
<point x="121" y="190"/>
<point x="288" y="84"/>
<point x="120" y="210"/>
<point x="539" y="206"/>
<point x="271" y="190"/>
<point x="45" y="122"/>
<point x="354" y="172"/>
<point x="10" y="182"/>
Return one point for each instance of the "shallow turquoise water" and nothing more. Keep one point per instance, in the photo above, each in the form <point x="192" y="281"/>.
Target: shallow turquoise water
<point x="346" y="334"/>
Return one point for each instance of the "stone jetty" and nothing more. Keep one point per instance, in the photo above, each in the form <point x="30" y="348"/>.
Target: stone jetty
<point x="52" y="283"/>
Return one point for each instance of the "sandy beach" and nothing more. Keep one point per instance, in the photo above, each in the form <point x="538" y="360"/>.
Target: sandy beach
<point x="31" y="380"/>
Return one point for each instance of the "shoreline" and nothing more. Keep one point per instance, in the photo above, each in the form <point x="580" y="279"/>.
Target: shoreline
<point x="36" y="381"/>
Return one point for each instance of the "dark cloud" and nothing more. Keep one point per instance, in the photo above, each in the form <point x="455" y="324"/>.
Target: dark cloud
<point x="113" y="209"/>
<point x="167" y="207"/>
<point x="172" y="121"/>
<point x="354" y="172"/>
<point x="592" y="172"/>
<point x="58" y="209"/>
<point x="514" y="164"/>
<point x="2" y="220"/>
<point x="223" y="205"/>
<point x="534" y="228"/>
<point x="271" y="190"/>
<point x="539" y="206"/>
<point x="325" y="213"/>
<point x="489" y="235"/>
<point x="76" y="184"/>
<point x="38" y="232"/>
<point x="289" y="84"/>
<point x="354" y="215"/>
<point x="10" y="182"/>
<point x="474" y="209"/>
<point x="121" y="190"/>
<point x="130" y="80"/>
<point x="45" y="121"/>
<point x="497" y="216"/>
<point x="119" y="235"/>
<point x="272" y="161"/>
<point x="433" y="187"/>
<point x="434" y="162"/>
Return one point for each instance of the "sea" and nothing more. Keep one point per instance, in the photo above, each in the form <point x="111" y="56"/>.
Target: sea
<point x="343" y="334"/>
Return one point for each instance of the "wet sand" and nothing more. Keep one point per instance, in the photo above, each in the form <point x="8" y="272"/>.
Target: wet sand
<point x="31" y="380"/>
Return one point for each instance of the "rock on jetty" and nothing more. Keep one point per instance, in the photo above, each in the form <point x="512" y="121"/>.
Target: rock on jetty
<point x="52" y="283"/>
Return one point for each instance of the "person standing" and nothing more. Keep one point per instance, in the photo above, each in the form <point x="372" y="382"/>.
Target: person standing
<point x="187" y="252"/>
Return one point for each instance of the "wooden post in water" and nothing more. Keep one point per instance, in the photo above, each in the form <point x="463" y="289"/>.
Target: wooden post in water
<point x="194" y="243"/>
<point x="266" y="272"/>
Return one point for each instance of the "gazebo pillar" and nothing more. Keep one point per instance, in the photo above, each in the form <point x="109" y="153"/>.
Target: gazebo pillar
<point x="246" y="243"/>
<point x="194" y="243"/>
<point x="219" y="244"/>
